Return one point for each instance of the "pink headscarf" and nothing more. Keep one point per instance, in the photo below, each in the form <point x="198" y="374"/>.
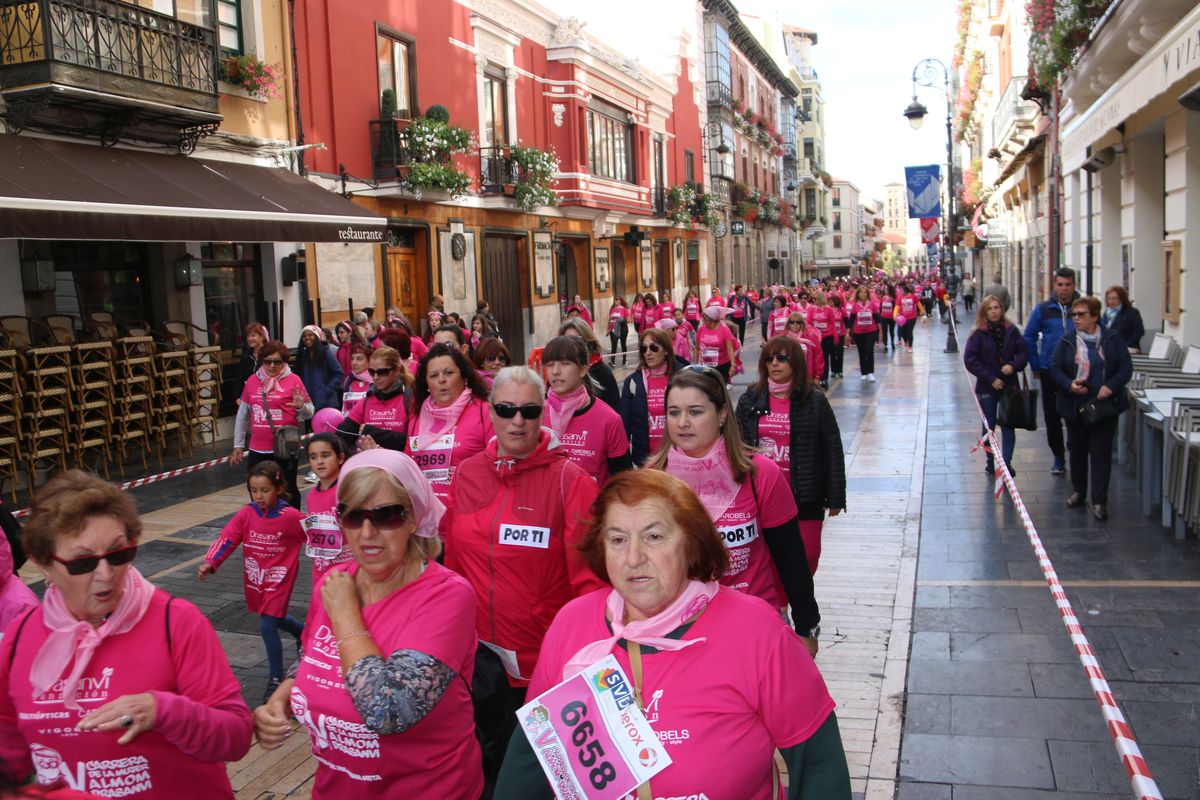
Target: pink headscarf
<point x="717" y="313"/>
<point x="427" y="508"/>
<point x="315" y="330"/>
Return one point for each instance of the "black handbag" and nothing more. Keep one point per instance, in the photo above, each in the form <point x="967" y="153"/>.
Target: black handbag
<point x="1018" y="406"/>
<point x="1097" y="411"/>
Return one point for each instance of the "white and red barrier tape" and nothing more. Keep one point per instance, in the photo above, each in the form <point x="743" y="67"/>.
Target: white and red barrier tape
<point x="1142" y="782"/>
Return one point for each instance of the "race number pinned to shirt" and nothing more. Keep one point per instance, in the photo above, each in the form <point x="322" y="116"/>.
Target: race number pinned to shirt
<point x="865" y="318"/>
<point x="524" y="536"/>
<point x="351" y="399"/>
<point x="739" y="535"/>
<point x="591" y="739"/>
<point x="433" y="458"/>
<point x="324" y="536"/>
<point x="709" y="356"/>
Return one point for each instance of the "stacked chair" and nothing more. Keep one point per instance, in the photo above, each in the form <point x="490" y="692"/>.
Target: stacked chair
<point x="11" y="418"/>
<point x="46" y="404"/>
<point x="135" y="397"/>
<point x="94" y="401"/>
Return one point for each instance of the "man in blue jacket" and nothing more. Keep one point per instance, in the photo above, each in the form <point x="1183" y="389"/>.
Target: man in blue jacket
<point x="1049" y="322"/>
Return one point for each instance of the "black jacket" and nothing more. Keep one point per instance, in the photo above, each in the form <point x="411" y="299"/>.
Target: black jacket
<point x="602" y="374"/>
<point x="818" y="462"/>
<point x="1128" y="323"/>
<point x="636" y="416"/>
<point x="1118" y="369"/>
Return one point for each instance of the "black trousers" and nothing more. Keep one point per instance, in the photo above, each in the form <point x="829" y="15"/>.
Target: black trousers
<point x="839" y="354"/>
<point x="254" y="458"/>
<point x="906" y="331"/>
<point x="496" y="705"/>
<point x="1091" y="447"/>
<point x="969" y="301"/>
<point x="1054" y="422"/>
<point x="865" y="342"/>
<point x="741" y="326"/>
<point x="619" y="336"/>
<point x="888" y="331"/>
<point x="827" y="348"/>
<point x="725" y="369"/>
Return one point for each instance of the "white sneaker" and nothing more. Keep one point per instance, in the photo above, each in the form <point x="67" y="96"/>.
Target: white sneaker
<point x="862" y="377"/>
<point x="871" y="378"/>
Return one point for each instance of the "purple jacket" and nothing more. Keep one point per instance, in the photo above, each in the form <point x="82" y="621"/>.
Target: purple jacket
<point x="984" y="362"/>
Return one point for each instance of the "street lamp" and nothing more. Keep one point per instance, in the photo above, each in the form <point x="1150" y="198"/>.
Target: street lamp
<point x="926" y="73"/>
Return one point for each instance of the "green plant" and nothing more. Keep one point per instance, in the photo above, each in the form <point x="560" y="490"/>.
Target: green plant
<point x="257" y="77"/>
<point x="707" y="209"/>
<point x="682" y="198"/>
<point x="1059" y="30"/>
<point x="437" y="176"/>
<point x="434" y="140"/>
<point x="438" y="113"/>
<point x="968" y="95"/>
<point x="538" y="171"/>
<point x="387" y="104"/>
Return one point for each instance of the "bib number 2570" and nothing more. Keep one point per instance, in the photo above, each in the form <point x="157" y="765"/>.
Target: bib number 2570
<point x="590" y="752"/>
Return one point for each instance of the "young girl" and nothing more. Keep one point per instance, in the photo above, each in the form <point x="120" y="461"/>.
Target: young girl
<point x="358" y="380"/>
<point x="325" y="545"/>
<point x="271" y="532"/>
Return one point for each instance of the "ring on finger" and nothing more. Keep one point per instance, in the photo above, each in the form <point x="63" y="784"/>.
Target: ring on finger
<point x="127" y="721"/>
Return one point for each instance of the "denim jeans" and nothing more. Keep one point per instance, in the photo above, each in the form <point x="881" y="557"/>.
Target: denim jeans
<point x="1008" y="436"/>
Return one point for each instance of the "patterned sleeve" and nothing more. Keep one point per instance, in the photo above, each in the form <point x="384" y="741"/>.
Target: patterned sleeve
<point x="393" y="695"/>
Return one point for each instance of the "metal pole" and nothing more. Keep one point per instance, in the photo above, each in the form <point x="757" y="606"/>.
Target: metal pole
<point x="1088" y="253"/>
<point x="951" y="337"/>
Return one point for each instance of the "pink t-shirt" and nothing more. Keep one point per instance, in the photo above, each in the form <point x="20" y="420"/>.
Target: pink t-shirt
<point x="649" y="315"/>
<point x="778" y="321"/>
<point x="839" y="323"/>
<point x="468" y="437"/>
<point x="751" y="569"/>
<point x="665" y="310"/>
<point x="593" y="437"/>
<point x="355" y="392"/>
<point x="201" y="720"/>
<point x="638" y="312"/>
<point x="886" y="307"/>
<point x="691" y="309"/>
<point x="324" y="502"/>
<point x="862" y="317"/>
<point x="271" y="546"/>
<point x="715" y="300"/>
<point x="719" y="708"/>
<point x="388" y="414"/>
<point x="419" y="348"/>
<point x="617" y="315"/>
<point x="683" y="341"/>
<point x="774" y="432"/>
<point x="262" y="440"/>
<point x="908" y="306"/>
<point x="822" y="319"/>
<point x="439" y="756"/>
<point x="656" y="409"/>
<point x="712" y="344"/>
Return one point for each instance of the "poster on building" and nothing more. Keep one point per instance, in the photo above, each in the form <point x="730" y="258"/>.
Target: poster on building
<point x="997" y="232"/>
<point x="543" y="263"/>
<point x="924" y="191"/>
<point x="602" y="268"/>
<point x="931" y="229"/>
<point x="647" y="265"/>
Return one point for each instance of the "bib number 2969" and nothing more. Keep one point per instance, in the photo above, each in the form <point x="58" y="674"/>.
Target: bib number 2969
<point x="589" y="751"/>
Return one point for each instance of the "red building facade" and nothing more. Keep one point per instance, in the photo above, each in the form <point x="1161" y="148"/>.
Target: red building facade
<point x="514" y="77"/>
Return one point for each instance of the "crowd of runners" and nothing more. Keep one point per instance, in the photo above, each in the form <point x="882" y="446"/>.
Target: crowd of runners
<point x="479" y="532"/>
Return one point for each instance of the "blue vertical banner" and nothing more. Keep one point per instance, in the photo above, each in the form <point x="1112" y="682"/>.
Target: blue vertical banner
<point x="924" y="191"/>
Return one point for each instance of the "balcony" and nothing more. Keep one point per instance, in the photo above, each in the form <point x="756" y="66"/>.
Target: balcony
<point x="107" y="69"/>
<point x="722" y="189"/>
<point x="391" y="155"/>
<point x="1012" y="115"/>
<point x="498" y="172"/>
<point x="807" y="172"/>
<point x="719" y="94"/>
<point x="660" y="202"/>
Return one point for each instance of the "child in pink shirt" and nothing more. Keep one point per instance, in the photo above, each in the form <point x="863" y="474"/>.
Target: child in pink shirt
<point x="271" y="532"/>
<point x="324" y="544"/>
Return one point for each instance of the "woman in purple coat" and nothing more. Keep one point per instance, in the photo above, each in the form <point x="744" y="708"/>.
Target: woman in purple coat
<point x="995" y="354"/>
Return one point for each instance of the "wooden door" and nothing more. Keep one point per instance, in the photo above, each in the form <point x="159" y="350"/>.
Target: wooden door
<point x="404" y="280"/>
<point x="502" y="288"/>
<point x="617" y="266"/>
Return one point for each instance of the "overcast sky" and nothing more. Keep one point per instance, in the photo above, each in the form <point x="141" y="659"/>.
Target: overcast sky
<point x="865" y="56"/>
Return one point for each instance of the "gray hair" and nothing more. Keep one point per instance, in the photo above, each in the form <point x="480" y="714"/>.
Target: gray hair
<point x="518" y="374"/>
<point x="360" y="318"/>
<point x="584" y="330"/>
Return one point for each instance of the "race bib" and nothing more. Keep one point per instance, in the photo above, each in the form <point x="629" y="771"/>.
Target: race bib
<point x="350" y="399"/>
<point x="739" y="535"/>
<point x="590" y="737"/>
<point x="709" y="356"/>
<point x="524" y="536"/>
<point x="434" y="458"/>
<point x="820" y="324"/>
<point x="886" y="307"/>
<point x="323" y="535"/>
<point x="865" y="318"/>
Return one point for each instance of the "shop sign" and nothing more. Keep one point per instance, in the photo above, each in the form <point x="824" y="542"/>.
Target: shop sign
<point x="737" y="227"/>
<point x="543" y="263"/>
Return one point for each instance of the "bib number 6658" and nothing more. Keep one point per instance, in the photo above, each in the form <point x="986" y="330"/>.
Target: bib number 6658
<point x="589" y="751"/>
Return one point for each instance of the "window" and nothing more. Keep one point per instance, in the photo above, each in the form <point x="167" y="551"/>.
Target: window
<point x="810" y="150"/>
<point x="610" y="145"/>
<point x="837" y="242"/>
<point x="837" y="219"/>
<point x="810" y="203"/>
<point x="495" y="110"/>
<point x="395" y="56"/>
<point x="716" y="52"/>
<point x="229" y="27"/>
<point x="837" y="196"/>
<point x="193" y="12"/>
<point x="689" y="166"/>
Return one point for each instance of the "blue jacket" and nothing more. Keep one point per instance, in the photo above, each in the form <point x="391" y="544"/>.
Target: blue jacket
<point x="322" y="376"/>
<point x="1050" y="320"/>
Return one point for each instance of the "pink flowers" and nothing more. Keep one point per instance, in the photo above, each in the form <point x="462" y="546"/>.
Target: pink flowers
<point x="258" y="78"/>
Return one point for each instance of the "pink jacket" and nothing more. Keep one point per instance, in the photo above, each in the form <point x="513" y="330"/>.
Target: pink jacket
<point x="15" y="596"/>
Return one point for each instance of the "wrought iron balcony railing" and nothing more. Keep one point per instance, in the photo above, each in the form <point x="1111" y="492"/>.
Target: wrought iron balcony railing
<point x="719" y="94"/>
<point x="498" y="172"/>
<point x="660" y="202"/>
<point x="107" y="68"/>
<point x="391" y="155"/>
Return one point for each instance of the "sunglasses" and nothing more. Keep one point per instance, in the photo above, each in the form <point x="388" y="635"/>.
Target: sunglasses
<point x="653" y="348"/>
<point x="85" y="564"/>
<point x="510" y="410"/>
<point x="272" y="362"/>
<point x="795" y="322"/>
<point x="501" y="359"/>
<point x="782" y="358"/>
<point x="375" y="373"/>
<point x="382" y="517"/>
<point x="1080" y="314"/>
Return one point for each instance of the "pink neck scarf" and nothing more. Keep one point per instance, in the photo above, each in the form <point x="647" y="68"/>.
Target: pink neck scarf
<point x="435" y="421"/>
<point x="779" y="388"/>
<point x="658" y="372"/>
<point x="363" y="376"/>
<point x="709" y="477"/>
<point x="270" y="384"/>
<point x="651" y="632"/>
<point x="564" y="406"/>
<point x="72" y="638"/>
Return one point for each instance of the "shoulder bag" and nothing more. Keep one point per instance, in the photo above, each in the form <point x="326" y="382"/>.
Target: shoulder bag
<point x="1097" y="411"/>
<point x="1018" y="406"/>
<point x="285" y="438"/>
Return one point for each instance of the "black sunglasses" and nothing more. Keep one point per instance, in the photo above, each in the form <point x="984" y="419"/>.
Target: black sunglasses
<point x="272" y="362"/>
<point x="780" y="357"/>
<point x="653" y="348"/>
<point x="85" y="564"/>
<point x="1080" y="314"/>
<point x="501" y="359"/>
<point x="795" y="322"/>
<point x="382" y="517"/>
<point x="375" y="373"/>
<point x="510" y="410"/>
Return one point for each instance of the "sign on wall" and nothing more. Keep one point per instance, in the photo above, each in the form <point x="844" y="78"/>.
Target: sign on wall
<point x="647" y="264"/>
<point x="543" y="263"/>
<point x="602" y="269"/>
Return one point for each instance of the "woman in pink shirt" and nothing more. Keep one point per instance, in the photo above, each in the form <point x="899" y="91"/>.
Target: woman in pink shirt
<point x="777" y="322"/>
<point x="618" y="328"/>
<point x="691" y="307"/>
<point x="383" y="688"/>
<point x="637" y="312"/>
<point x="717" y="298"/>
<point x="111" y="683"/>
<point x="861" y="312"/>
<point x="649" y="310"/>
<point x="716" y="342"/>
<point x="822" y="321"/>
<point x="358" y="380"/>
<point x="449" y="420"/>
<point x="885" y="302"/>
<point x="719" y="677"/>
<point x="685" y="337"/>
<point x="589" y="431"/>
<point x="747" y="497"/>
<point x="798" y="331"/>
<point x="839" y="335"/>
<point x="908" y="305"/>
<point x="380" y="419"/>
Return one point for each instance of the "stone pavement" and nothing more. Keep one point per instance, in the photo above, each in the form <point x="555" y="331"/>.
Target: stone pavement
<point x="992" y="704"/>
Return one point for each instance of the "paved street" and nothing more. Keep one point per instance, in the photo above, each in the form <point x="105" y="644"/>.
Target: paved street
<point x="953" y="674"/>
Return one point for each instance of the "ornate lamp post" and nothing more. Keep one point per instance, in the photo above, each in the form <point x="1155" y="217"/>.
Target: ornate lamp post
<point x="926" y="73"/>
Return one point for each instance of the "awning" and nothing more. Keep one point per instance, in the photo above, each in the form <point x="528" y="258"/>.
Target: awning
<point x="63" y="190"/>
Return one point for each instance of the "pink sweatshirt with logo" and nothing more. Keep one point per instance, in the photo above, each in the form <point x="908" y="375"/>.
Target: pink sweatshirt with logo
<point x="271" y="544"/>
<point x="201" y="720"/>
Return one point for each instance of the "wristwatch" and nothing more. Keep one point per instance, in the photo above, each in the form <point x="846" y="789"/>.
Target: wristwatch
<point x="813" y="633"/>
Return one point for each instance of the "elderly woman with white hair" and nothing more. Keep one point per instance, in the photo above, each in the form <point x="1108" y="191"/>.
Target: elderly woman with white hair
<point x="389" y="649"/>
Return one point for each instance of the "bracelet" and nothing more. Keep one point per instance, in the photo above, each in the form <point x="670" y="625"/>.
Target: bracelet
<point x="354" y="635"/>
